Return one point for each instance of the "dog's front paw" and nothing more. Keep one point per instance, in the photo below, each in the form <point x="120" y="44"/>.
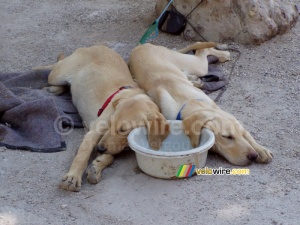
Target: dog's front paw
<point x="95" y="169"/>
<point x="93" y="175"/>
<point x="264" y="155"/>
<point x="70" y="182"/>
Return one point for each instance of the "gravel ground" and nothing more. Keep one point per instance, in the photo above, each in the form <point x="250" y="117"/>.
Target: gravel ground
<point x="263" y="94"/>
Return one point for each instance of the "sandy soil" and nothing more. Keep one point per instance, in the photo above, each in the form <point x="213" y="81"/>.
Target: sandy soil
<point x="263" y="94"/>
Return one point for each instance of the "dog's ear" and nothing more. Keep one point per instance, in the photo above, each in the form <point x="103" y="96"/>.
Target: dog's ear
<point x="60" y="57"/>
<point x="118" y="101"/>
<point x="158" y="129"/>
<point x="193" y="124"/>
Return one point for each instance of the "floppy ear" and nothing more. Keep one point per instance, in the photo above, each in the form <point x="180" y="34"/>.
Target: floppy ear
<point x="158" y="129"/>
<point x="192" y="126"/>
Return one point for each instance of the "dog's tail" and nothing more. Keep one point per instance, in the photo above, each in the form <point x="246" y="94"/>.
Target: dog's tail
<point x="60" y="57"/>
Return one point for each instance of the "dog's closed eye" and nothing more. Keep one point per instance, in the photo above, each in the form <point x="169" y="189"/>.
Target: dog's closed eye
<point x="230" y="137"/>
<point x="123" y="129"/>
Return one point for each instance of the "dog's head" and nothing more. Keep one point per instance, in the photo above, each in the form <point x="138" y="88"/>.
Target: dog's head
<point x="230" y="136"/>
<point x="130" y="113"/>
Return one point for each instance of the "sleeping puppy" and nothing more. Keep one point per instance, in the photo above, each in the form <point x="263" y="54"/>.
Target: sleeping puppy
<point x="101" y="82"/>
<point x="167" y="77"/>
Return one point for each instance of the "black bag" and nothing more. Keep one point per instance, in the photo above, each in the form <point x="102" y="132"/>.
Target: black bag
<point x="172" y="22"/>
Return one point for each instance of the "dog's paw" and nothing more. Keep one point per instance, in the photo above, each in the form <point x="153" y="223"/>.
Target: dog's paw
<point x="225" y="57"/>
<point x="56" y="90"/>
<point x="70" y="182"/>
<point x="264" y="155"/>
<point x="198" y="83"/>
<point x="93" y="176"/>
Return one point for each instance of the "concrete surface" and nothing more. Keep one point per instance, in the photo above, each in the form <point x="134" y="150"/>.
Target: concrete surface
<point x="263" y="94"/>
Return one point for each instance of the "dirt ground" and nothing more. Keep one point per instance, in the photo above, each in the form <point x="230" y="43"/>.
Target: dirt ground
<point x="263" y="94"/>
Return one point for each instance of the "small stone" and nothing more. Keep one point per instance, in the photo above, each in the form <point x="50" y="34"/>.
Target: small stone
<point x="63" y="206"/>
<point x="251" y="13"/>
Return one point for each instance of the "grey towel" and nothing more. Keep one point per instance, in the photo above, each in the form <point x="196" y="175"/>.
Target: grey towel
<point x="31" y="118"/>
<point x="215" y="79"/>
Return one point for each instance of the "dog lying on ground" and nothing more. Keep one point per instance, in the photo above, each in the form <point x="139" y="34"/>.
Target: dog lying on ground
<point x="98" y="76"/>
<point x="168" y="77"/>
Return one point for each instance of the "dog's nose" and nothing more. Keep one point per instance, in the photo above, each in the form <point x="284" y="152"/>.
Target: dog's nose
<point x="101" y="149"/>
<point x="252" y="156"/>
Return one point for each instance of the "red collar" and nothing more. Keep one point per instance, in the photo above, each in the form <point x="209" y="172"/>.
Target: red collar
<point x="110" y="98"/>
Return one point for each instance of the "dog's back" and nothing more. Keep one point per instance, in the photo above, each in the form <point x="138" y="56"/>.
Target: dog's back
<point x="162" y="79"/>
<point x="93" y="73"/>
<point x="165" y="74"/>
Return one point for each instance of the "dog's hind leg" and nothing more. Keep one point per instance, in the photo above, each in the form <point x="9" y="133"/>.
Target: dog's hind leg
<point x="56" y="90"/>
<point x="197" y="46"/>
<point x="95" y="169"/>
<point x="60" y="75"/>
<point x="56" y="86"/>
<point x="223" y="56"/>
<point x="57" y="81"/>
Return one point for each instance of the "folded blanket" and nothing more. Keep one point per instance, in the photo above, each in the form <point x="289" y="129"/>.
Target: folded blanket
<point x="31" y="118"/>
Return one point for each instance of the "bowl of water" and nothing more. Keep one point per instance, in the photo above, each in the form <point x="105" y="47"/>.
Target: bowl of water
<point x="175" y="155"/>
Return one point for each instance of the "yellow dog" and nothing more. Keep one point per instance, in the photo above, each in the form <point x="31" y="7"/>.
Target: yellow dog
<point x="100" y="78"/>
<point x="168" y="77"/>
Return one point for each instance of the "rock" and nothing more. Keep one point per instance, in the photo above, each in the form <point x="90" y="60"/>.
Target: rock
<point x="245" y="22"/>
